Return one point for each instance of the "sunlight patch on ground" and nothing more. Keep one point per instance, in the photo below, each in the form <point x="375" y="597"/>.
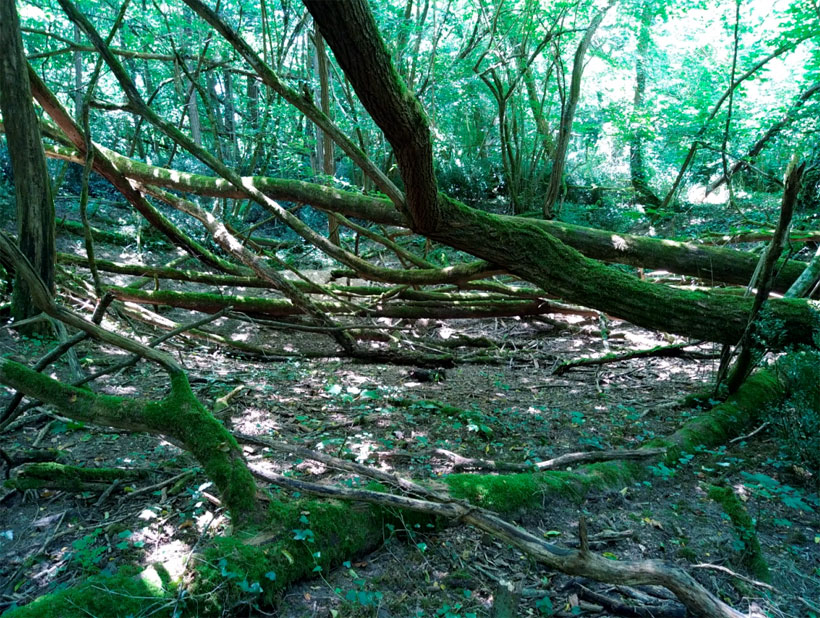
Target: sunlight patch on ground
<point x="173" y="557"/>
<point x="644" y="339"/>
<point x="147" y="514"/>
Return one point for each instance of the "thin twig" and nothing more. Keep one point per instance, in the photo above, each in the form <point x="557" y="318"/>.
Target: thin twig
<point x="748" y="580"/>
<point x="749" y="435"/>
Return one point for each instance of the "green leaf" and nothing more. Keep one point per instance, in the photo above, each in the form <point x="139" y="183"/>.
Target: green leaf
<point x="544" y="606"/>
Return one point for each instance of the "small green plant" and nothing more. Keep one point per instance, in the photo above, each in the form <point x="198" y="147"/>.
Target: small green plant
<point x="662" y="470"/>
<point x="87" y="554"/>
<point x="303" y="534"/>
<point x="453" y="611"/>
<point x="359" y="594"/>
<point x="545" y="607"/>
<point x="797" y="418"/>
<point x="772" y="489"/>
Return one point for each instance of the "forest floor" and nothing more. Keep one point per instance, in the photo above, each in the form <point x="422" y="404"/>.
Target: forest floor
<point x="515" y="410"/>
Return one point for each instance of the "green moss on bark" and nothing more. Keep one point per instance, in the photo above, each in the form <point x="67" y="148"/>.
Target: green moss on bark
<point x="512" y="492"/>
<point x="182" y="416"/>
<point x="68" y="478"/>
<point x="178" y="416"/>
<point x="751" y="555"/>
<point x="726" y="419"/>
<point x="301" y="536"/>
<point x="251" y="566"/>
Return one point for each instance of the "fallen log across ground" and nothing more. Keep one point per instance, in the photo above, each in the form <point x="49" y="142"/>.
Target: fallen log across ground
<point x="271" y="307"/>
<point x="712" y="264"/>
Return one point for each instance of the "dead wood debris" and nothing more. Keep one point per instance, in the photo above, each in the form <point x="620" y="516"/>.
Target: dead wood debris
<point x="468" y="463"/>
<point x="692" y="594"/>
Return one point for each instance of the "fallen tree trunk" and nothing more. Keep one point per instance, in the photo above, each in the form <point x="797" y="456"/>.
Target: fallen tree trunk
<point x="179" y="416"/>
<point x="532" y="254"/>
<point x="444" y="309"/>
<point x="524" y="247"/>
<point x="712" y="264"/>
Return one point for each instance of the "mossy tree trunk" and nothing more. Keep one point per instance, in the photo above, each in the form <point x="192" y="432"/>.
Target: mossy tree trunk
<point x="714" y="264"/>
<point x="520" y="246"/>
<point x="532" y="250"/>
<point x="32" y="185"/>
<point x="179" y="416"/>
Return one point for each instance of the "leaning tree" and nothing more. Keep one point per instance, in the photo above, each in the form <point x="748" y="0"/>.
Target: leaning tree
<point x="556" y="261"/>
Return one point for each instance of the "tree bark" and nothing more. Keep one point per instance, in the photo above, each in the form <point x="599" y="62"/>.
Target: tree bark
<point x="712" y="264"/>
<point x="520" y="245"/>
<point x="326" y="142"/>
<point x="398" y="108"/>
<point x="637" y="168"/>
<point x="568" y="115"/>
<point x="32" y="185"/>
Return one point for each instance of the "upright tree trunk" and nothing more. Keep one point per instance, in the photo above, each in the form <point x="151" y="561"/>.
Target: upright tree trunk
<point x="568" y="115"/>
<point x="32" y="186"/>
<point x="218" y="125"/>
<point x="193" y="119"/>
<point x="541" y="125"/>
<point x="253" y="105"/>
<point x="230" y="116"/>
<point x="78" y="75"/>
<point x="637" y="169"/>
<point x="410" y="137"/>
<point x="328" y="162"/>
<point x="193" y="109"/>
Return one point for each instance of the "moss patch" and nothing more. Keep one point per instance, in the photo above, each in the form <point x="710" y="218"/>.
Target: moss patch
<point x="751" y="556"/>
<point x="69" y="478"/>
<point x="121" y="595"/>
<point x="726" y="419"/>
<point x="511" y="492"/>
<point x="304" y="537"/>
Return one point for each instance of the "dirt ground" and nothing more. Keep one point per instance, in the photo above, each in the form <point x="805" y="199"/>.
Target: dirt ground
<point x="515" y="410"/>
